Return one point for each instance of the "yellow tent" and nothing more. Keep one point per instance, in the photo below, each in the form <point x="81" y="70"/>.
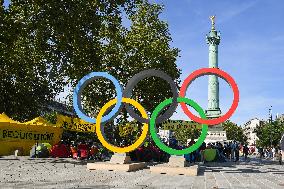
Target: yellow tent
<point x="39" y="121"/>
<point x="4" y="118"/>
<point x="22" y="136"/>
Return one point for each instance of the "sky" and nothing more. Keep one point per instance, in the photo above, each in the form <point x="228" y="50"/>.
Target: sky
<point x="251" y="51"/>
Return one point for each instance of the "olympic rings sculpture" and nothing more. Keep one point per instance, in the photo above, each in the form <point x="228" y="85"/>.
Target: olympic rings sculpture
<point x="149" y="123"/>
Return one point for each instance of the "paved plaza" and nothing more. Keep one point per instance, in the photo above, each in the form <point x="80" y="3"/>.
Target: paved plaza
<point x="68" y="173"/>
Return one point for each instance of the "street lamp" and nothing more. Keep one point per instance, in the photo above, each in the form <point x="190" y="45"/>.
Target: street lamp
<point x="270" y="121"/>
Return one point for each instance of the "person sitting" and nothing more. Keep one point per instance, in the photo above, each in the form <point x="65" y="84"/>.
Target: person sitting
<point x="83" y="151"/>
<point x="73" y="150"/>
<point x="93" y="152"/>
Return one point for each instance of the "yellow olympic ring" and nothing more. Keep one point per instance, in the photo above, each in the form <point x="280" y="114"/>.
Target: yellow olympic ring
<point x="140" y="140"/>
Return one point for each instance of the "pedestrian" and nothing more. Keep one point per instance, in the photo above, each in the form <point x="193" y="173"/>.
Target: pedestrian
<point x="270" y="152"/>
<point x="237" y="152"/>
<point x="220" y="150"/>
<point x="261" y="153"/>
<point x="228" y="150"/>
<point x="273" y="153"/>
<point x="233" y="148"/>
<point x="245" y="151"/>
<point x="282" y="147"/>
<point x="280" y="157"/>
<point x="192" y="154"/>
<point x="201" y="150"/>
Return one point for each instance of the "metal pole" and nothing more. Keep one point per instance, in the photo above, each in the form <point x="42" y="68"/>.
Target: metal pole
<point x="270" y="121"/>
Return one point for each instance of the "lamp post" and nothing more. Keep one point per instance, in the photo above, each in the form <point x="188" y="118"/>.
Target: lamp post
<point x="270" y="121"/>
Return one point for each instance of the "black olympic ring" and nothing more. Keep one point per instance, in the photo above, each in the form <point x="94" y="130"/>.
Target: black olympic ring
<point x="127" y="93"/>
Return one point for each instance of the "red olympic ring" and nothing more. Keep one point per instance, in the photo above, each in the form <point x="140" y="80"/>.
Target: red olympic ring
<point x="210" y="71"/>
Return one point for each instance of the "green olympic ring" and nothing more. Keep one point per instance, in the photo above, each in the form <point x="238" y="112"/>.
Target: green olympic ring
<point x="156" y="138"/>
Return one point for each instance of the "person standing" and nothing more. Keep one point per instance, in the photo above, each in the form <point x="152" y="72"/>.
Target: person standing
<point x="261" y="152"/>
<point x="237" y="152"/>
<point x="233" y="146"/>
<point x="273" y="153"/>
<point x="245" y="151"/>
<point x="220" y="150"/>
<point x="282" y="149"/>
<point x="201" y="150"/>
<point x="192" y="155"/>
<point x="280" y="156"/>
<point x="228" y="150"/>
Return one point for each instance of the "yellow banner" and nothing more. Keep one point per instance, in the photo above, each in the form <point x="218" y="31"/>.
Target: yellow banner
<point x="74" y="124"/>
<point x="127" y="129"/>
<point x="21" y="136"/>
<point x="27" y="133"/>
<point x="180" y="124"/>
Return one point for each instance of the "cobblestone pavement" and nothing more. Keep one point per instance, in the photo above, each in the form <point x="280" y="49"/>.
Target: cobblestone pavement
<point x="67" y="173"/>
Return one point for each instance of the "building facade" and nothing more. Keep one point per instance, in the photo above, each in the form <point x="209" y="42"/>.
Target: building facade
<point x="249" y="128"/>
<point x="280" y="117"/>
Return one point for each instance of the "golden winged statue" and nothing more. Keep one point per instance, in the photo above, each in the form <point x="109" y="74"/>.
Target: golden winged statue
<point x="212" y="18"/>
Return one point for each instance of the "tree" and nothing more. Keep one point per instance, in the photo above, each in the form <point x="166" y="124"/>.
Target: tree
<point x="270" y="133"/>
<point x="25" y="85"/>
<point x="234" y="132"/>
<point x="51" y="117"/>
<point x="127" y="51"/>
<point x="46" y="45"/>
<point x="182" y="135"/>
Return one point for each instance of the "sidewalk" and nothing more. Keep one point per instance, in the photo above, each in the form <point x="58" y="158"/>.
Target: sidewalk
<point x="68" y="173"/>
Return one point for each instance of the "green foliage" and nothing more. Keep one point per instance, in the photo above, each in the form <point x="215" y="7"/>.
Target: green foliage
<point x="45" y="45"/>
<point x="182" y="135"/>
<point x="51" y="117"/>
<point x="234" y="132"/>
<point x="269" y="134"/>
<point x="24" y="79"/>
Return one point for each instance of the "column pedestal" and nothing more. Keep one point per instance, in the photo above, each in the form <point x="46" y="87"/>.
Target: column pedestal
<point x="177" y="165"/>
<point x="118" y="162"/>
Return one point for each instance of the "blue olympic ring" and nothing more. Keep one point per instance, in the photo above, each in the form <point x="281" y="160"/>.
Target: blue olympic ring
<point x="83" y="83"/>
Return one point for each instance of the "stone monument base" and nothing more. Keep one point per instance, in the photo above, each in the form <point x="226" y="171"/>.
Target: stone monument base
<point x="118" y="162"/>
<point x="177" y="166"/>
<point x="216" y="133"/>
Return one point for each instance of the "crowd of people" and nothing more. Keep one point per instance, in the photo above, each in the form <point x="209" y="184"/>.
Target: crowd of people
<point x="226" y="151"/>
<point x="79" y="150"/>
<point x="229" y="151"/>
<point x="270" y="153"/>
